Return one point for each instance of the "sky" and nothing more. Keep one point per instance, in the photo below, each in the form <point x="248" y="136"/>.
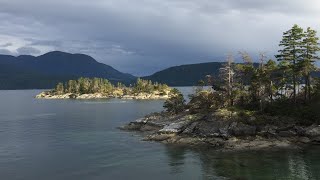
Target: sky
<point x="143" y="36"/>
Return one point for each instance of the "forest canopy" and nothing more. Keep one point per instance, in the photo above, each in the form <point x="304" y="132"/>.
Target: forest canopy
<point x="99" y="85"/>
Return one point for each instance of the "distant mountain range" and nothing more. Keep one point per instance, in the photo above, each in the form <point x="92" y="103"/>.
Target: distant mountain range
<point x="45" y="71"/>
<point x="29" y="72"/>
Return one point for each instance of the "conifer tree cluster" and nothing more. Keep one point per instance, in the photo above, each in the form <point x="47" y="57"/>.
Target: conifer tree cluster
<point x="299" y="54"/>
<point x="286" y="87"/>
<point x="85" y="86"/>
<point x="99" y="85"/>
<point x="258" y="85"/>
<point x="147" y="86"/>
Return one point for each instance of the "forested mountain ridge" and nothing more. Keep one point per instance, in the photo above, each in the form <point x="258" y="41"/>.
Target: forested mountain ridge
<point x="45" y="71"/>
<point x="186" y="75"/>
<point x="191" y="74"/>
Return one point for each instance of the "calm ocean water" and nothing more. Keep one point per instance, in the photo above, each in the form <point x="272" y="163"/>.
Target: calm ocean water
<point x="79" y="139"/>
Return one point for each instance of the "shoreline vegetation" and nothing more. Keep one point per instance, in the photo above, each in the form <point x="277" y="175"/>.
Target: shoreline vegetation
<point x="248" y="107"/>
<point x="97" y="88"/>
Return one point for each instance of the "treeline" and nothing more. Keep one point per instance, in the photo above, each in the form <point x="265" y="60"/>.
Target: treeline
<point x="104" y="86"/>
<point x="285" y="87"/>
<point x="248" y="86"/>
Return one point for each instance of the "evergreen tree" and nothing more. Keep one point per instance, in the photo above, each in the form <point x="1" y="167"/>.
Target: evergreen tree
<point x="244" y="75"/>
<point x="72" y="86"/>
<point x="95" y="85"/>
<point x="107" y="86"/>
<point x="60" y="88"/>
<point x="138" y="87"/>
<point x="176" y="103"/>
<point x="84" y="85"/>
<point x="291" y="51"/>
<point x="269" y="78"/>
<point x="310" y="48"/>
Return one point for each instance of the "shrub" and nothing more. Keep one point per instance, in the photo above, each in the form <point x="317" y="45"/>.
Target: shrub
<point x="204" y="101"/>
<point x="176" y="103"/>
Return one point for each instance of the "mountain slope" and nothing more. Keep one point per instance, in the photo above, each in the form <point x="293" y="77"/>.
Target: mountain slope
<point x="189" y="75"/>
<point x="29" y="72"/>
<point x="185" y="75"/>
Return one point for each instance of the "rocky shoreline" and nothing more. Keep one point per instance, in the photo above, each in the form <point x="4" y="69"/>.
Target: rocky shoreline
<point x="221" y="133"/>
<point x="139" y="96"/>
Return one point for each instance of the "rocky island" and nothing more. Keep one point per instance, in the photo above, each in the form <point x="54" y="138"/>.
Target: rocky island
<point x="249" y="106"/>
<point x="208" y="120"/>
<point x="96" y="88"/>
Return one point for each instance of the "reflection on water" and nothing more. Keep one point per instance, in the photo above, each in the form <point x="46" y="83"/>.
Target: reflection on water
<point x="280" y="164"/>
<point x="75" y="140"/>
<point x="176" y="159"/>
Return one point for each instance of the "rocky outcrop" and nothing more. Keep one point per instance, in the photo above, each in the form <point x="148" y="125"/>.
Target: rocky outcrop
<point x="145" y="96"/>
<point x="222" y="133"/>
<point x="48" y="95"/>
<point x="313" y="131"/>
<point x="174" y="127"/>
<point x="139" y="96"/>
<point x="240" y="129"/>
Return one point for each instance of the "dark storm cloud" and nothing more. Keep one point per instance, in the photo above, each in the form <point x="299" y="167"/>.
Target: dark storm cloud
<point x="141" y="36"/>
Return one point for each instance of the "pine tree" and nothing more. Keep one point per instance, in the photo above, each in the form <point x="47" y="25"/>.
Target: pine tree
<point x="60" y="88"/>
<point x="245" y="73"/>
<point x="95" y="85"/>
<point x="72" y="86"/>
<point x="107" y="86"/>
<point x="270" y="69"/>
<point x="310" y="47"/>
<point x="291" y="51"/>
<point x="138" y="87"/>
<point x="176" y="103"/>
<point x="84" y="85"/>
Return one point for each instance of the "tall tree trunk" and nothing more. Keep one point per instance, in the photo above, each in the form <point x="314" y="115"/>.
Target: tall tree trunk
<point x="306" y="87"/>
<point x="294" y="88"/>
<point x="309" y="86"/>
<point x="298" y="87"/>
<point x="271" y="94"/>
<point x="294" y="80"/>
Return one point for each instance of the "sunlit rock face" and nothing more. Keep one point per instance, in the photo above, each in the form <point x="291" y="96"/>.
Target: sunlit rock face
<point x="222" y="133"/>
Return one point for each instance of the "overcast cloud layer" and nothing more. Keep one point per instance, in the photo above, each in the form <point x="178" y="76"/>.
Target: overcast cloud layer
<point x="143" y="36"/>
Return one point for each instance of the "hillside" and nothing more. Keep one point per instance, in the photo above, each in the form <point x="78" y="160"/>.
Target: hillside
<point x="185" y="75"/>
<point x="190" y="74"/>
<point x="29" y="72"/>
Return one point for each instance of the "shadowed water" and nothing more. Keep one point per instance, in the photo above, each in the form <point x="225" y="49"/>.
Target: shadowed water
<point x="79" y="139"/>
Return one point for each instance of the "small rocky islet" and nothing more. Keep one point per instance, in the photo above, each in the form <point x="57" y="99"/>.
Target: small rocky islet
<point x="96" y="88"/>
<point x="139" y="96"/>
